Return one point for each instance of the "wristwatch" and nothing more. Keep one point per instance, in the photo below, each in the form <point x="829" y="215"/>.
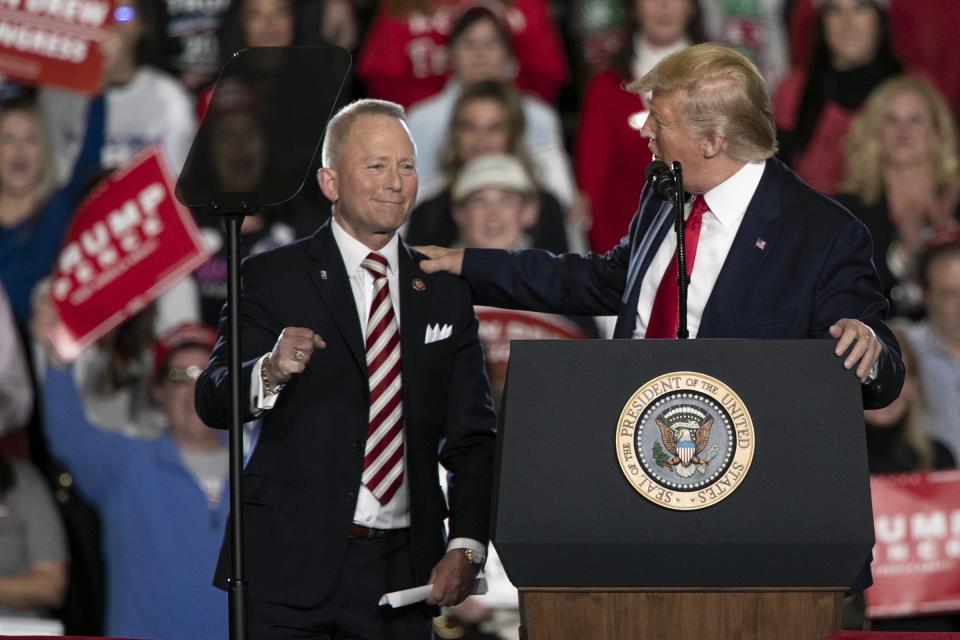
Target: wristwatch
<point x="474" y="558"/>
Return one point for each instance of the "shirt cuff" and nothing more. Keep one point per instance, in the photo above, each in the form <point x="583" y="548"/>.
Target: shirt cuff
<point x="479" y="550"/>
<point x="875" y="369"/>
<point x="260" y="401"/>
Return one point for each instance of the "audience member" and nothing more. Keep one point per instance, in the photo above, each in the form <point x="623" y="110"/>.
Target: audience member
<point x="162" y="501"/>
<point x="33" y="550"/>
<point x="16" y="390"/>
<point x="144" y="105"/>
<point x="403" y="57"/>
<point x="897" y="440"/>
<point x="481" y="48"/>
<point x="486" y="118"/>
<point x="237" y="151"/>
<point x="902" y="178"/>
<point x="600" y="26"/>
<point x="923" y="34"/>
<point x="936" y="340"/>
<point x="610" y="156"/>
<point x="813" y="106"/>
<point x="113" y="376"/>
<point x="282" y="23"/>
<point x="494" y="203"/>
<point x="34" y="214"/>
<point x="254" y="23"/>
<point x="190" y="34"/>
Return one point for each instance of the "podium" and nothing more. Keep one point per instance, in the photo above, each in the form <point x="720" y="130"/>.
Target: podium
<point x="764" y="550"/>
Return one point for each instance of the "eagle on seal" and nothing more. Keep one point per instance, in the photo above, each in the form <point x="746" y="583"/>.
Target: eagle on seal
<point x="685" y="440"/>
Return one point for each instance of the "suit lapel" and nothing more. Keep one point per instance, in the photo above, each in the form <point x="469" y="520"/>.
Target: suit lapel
<point x="754" y="241"/>
<point x="648" y="243"/>
<point x="649" y="235"/>
<point x="330" y="276"/>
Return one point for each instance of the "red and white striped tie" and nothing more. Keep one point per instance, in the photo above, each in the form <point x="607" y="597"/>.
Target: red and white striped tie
<point x="383" y="459"/>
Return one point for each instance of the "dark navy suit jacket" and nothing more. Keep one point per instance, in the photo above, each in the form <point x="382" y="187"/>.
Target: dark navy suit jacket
<point x="798" y="263"/>
<point x="301" y="483"/>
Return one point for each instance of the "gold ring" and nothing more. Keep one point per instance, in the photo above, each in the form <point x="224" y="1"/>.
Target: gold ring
<point x="298" y="355"/>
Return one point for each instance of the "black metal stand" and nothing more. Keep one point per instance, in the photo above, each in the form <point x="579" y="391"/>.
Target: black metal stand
<point x="234" y="207"/>
<point x="683" y="280"/>
<point x="238" y="584"/>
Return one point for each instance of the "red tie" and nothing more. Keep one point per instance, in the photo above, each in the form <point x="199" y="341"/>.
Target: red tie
<point x="383" y="457"/>
<point x="665" y="315"/>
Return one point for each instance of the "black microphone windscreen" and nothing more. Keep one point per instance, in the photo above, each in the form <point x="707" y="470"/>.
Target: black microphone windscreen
<point x="661" y="179"/>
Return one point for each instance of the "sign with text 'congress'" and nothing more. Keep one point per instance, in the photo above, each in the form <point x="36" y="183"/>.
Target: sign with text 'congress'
<point x="916" y="560"/>
<point x="130" y="241"/>
<point x="54" y="42"/>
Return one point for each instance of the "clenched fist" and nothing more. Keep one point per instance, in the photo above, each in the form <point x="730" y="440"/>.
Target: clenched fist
<point x="292" y="353"/>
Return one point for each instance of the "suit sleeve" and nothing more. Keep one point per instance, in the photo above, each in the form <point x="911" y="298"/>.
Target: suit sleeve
<point x="259" y="329"/>
<point x="537" y="280"/>
<point x="850" y="288"/>
<point x="469" y="433"/>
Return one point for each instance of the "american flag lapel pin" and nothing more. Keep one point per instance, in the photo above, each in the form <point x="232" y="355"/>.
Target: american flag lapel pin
<point x="760" y="244"/>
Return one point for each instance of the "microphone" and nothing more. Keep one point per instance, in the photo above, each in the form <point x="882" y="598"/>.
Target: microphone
<point x="661" y="179"/>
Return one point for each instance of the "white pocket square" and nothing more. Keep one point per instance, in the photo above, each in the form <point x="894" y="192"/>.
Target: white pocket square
<point x="437" y="332"/>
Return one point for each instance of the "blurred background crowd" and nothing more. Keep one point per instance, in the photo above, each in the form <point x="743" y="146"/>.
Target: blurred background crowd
<point x="112" y="492"/>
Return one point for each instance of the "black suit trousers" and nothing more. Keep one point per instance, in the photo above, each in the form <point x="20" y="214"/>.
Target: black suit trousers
<point x="371" y="568"/>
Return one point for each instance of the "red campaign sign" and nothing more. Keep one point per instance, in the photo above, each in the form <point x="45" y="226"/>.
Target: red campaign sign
<point x="916" y="559"/>
<point x="499" y="326"/>
<point x="54" y="42"/>
<point x="130" y="241"/>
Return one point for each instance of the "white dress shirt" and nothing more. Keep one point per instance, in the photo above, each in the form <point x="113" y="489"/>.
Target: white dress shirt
<point x="728" y="203"/>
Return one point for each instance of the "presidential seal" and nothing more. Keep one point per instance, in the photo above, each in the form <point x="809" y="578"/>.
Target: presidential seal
<point x="685" y="440"/>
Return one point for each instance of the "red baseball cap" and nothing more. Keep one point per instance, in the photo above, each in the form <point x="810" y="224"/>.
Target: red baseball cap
<point x="188" y="334"/>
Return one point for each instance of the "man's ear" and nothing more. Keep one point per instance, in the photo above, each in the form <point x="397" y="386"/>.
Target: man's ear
<point x="713" y="144"/>
<point x="327" y="179"/>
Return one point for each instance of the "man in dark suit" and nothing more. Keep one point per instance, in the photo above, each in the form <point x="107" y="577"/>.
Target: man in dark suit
<point x="767" y="256"/>
<point x="365" y="371"/>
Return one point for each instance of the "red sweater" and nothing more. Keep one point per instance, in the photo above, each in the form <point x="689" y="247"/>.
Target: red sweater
<point x="820" y="164"/>
<point x="610" y="157"/>
<point x="404" y="59"/>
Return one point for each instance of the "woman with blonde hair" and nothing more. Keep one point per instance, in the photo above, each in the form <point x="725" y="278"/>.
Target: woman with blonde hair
<point x="902" y="178"/>
<point x="34" y="214"/>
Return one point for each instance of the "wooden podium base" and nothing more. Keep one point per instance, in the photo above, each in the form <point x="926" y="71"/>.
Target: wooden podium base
<point x="585" y="614"/>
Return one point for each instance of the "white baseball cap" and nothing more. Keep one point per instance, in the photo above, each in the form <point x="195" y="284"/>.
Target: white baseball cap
<point x="493" y="170"/>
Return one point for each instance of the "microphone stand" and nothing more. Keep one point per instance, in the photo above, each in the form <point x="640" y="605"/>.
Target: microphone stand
<point x="683" y="280"/>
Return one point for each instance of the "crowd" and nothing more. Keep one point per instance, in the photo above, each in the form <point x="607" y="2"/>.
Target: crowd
<point x="526" y="137"/>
